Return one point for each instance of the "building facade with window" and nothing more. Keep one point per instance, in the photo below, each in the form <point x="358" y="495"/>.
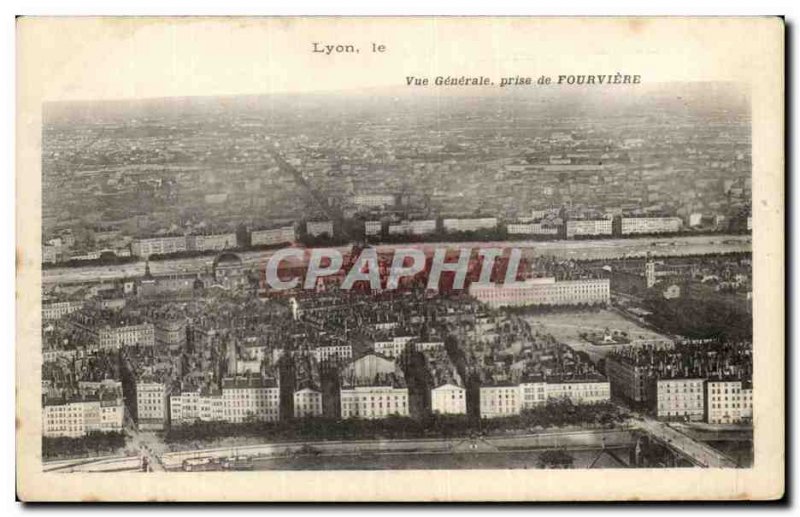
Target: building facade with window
<point x="374" y="402"/>
<point x="449" y="399"/>
<point x="543" y="291"/>
<point x="679" y="399"/>
<point x="500" y="400"/>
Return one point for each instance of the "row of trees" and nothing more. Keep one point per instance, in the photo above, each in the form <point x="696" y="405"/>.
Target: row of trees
<point x="93" y="444"/>
<point x="527" y="310"/>
<point x="106" y="259"/>
<point x="700" y="318"/>
<point x="554" y="414"/>
<point x="311" y="429"/>
<point x="560" y="413"/>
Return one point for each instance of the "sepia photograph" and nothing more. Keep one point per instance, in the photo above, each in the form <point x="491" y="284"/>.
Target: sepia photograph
<point x="322" y="249"/>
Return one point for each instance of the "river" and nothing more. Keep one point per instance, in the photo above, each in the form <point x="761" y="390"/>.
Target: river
<point x="577" y="249"/>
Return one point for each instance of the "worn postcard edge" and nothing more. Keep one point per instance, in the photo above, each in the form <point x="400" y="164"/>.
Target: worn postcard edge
<point x="39" y="73"/>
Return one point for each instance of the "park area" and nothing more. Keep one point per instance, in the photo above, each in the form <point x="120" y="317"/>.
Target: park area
<point x="568" y="327"/>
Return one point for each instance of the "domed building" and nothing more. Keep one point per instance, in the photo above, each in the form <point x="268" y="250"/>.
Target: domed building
<point x="228" y="271"/>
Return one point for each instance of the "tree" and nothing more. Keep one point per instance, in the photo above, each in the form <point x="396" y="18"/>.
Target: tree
<point x="555" y="459"/>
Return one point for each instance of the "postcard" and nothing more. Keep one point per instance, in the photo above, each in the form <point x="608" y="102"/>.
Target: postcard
<point x="400" y="259"/>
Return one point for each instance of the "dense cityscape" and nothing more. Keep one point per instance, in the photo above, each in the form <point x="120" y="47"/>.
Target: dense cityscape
<point x="625" y="341"/>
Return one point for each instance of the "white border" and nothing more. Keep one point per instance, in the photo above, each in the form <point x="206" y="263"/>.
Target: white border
<point x="197" y="7"/>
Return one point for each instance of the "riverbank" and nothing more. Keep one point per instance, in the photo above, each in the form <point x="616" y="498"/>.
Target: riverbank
<point x="570" y="439"/>
<point x="617" y="457"/>
<point x="567" y="249"/>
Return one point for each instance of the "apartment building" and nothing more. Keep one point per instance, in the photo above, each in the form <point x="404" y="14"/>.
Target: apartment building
<point x="333" y="353"/>
<point x="283" y="235"/>
<point x="142" y="334"/>
<point x="318" y="228"/>
<point x="469" y="225"/>
<point x="54" y="310"/>
<point x="679" y="399"/>
<point x="170" y="333"/>
<point x="634" y="225"/>
<point x="449" y="399"/>
<point x="530" y="229"/>
<point x="159" y="245"/>
<point x="543" y="291"/>
<point x="372" y="228"/>
<point x="373" y="200"/>
<point x="77" y="417"/>
<point x="532" y="393"/>
<point x="205" y="405"/>
<point x="250" y="398"/>
<point x="422" y="227"/>
<point x="628" y="380"/>
<point x="374" y="402"/>
<point x="588" y="227"/>
<point x="579" y="391"/>
<point x="307" y="403"/>
<point x="728" y="401"/>
<point x="152" y="405"/>
<point x="218" y="242"/>
<point x="392" y="348"/>
<point x="499" y="400"/>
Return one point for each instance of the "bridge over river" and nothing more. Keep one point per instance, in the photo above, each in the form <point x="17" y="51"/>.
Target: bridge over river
<point x="698" y="453"/>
